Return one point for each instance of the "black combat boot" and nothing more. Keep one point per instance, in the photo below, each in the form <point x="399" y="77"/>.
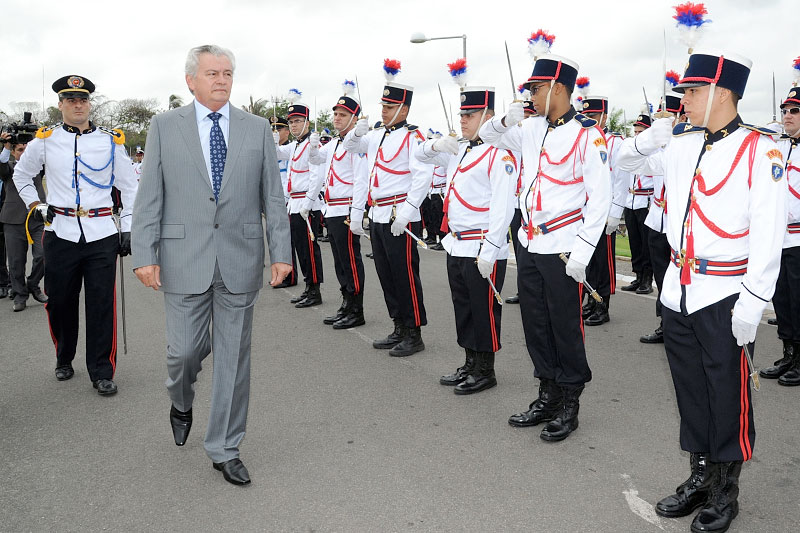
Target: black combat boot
<point x="692" y="493"/>
<point x="461" y="372"/>
<point x="792" y="376"/>
<point x="543" y="409"/>
<point x="355" y="315"/>
<point x="393" y="339"/>
<point x="599" y="316"/>
<point x="781" y="366"/>
<point x="344" y="309"/>
<point x="588" y="309"/>
<point x="723" y="505"/>
<point x="312" y="298"/>
<point x="657" y="337"/>
<point x="411" y="343"/>
<point x="567" y="420"/>
<point x="482" y="376"/>
<point x="633" y="285"/>
<point x="646" y="284"/>
<point x="302" y="296"/>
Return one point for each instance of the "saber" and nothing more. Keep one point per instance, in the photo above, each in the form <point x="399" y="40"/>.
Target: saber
<point x="360" y="101"/>
<point x="444" y="108"/>
<point x="774" y="105"/>
<point x="347" y="223"/>
<point x="310" y="231"/>
<point x="592" y="292"/>
<point x="664" y="113"/>
<point x="511" y="73"/>
<point x="274" y="114"/>
<point x="419" y="241"/>
<point x="122" y="291"/>
<point x="647" y="104"/>
<point x="315" y="114"/>
<point x="753" y="371"/>
<point x="494" y="290"/>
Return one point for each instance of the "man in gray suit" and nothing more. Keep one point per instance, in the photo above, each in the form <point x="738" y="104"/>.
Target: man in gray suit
<point x="209" y="174"/>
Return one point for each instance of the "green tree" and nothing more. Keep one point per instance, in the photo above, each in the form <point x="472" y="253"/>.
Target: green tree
<point x="175" y="101"/>
<point x="616" y="122"/>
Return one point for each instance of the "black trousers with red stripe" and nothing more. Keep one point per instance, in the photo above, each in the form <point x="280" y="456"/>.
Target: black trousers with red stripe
<point x="710" y="375"/>
<point x="67" y="265"/>
<point x="346" y="249"/>
<point x="550" y="303"/>
<point x="787" y="295"/>
<point x="659" y="258"/>
<point x="397" y="265"/>
<point x="637" y="238"/>
<point x="602" y="271"/>
<point x="308" y="253"/>
<point x="477" y="312"/>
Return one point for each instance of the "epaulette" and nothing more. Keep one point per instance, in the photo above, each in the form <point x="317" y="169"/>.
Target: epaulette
<point x="119" y="135"/>
<point x="614" y="134"/>
<point x="685" y="128"/>
<point x="762" y="131"/>
<point x="411" y="127"/>
<point x="585" y="121"/>
<point x="47" y="131"/>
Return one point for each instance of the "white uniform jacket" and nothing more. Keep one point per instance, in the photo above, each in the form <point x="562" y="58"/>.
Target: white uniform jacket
<point x="337" y="175"/>
<point x="566" y="194"/>
<point x="619" y="178"/>
<point x="791" y="150"/>
<point x="298" y="175"/>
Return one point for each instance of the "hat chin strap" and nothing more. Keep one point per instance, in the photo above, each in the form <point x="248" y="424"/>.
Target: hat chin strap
<point x="349" y="122"/>
<point x="547" y="100"/>
<point x="708" y="105"/>
<point x="391" y="122"/>
<point x="477" y="131"/>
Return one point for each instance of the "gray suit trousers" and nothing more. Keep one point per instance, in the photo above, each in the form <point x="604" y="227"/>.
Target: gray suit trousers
<point x="219" y="322"/>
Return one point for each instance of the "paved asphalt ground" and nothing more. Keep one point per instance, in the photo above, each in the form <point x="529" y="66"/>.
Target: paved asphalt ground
<point x="342" y="437"/>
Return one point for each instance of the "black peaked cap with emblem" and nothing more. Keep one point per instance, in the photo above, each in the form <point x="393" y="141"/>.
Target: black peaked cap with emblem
<point x="298" y="110"/>
<point x="476" y="99"/>
<point x="724" y="70"/>
<point x="349" y="104"/>
<point x="594" y="104"/>
<point x="396" y="93"/>
<point x="553" y="67"/>
<point x="644" y="121"/>
<point x="793" y="99"/>
<point x="279" y="122"/>
<point x="73" y="86"/>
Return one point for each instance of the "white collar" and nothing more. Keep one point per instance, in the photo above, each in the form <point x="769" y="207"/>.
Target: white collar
<point x="202" y="111"/>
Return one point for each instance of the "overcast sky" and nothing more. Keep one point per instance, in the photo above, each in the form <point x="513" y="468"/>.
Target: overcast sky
<point x="137" y="49"/>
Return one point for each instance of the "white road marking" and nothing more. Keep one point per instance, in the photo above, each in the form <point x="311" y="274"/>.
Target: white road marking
<point x="638" y="506"/>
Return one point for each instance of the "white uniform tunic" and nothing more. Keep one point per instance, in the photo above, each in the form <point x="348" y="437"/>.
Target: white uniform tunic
<point x="438" y="180"/>
<point x="726" y="213"/>
<point x="791" y="151"/>
<point x="80" y="168"/>
<point x="619" y="178"/>
<point x="338" y="175"/>
<point x="565" y="164"/>
<point x="640" y="191"/>
<point x="479" y="195"/>
<point x="298" y="175"/>
<point x="393" y="170"/>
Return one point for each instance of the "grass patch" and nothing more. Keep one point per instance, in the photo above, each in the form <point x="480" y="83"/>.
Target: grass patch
<point x="622" y="246"/>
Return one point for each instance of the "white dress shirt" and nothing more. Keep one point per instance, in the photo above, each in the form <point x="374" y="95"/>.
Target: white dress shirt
<point x="204" y="129"/>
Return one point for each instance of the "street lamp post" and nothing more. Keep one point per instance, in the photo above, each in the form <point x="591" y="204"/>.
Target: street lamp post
<point x="419" y="37"/>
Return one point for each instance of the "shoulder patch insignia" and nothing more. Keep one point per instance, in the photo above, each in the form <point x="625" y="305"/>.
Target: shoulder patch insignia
<point x="685" y="128"/>
<point x="614" y="134"/>
<point x="763" y="131"/>
<point x="599" y="142"/>
<point x="603" y="156"/>
<point x="585" y="121"/>
<point x="777" y="171"/>
<point x="775" y="154"/>
<point x="47" y="131"/>
<point x="118" y="134"/>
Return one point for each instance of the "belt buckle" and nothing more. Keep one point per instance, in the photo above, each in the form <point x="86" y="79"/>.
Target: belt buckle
<point x="537" y="230"/>
<point x="81" y="212"/>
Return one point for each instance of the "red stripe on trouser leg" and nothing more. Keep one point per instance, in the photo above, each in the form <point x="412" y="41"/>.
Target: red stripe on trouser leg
<point x="495" y="343"/>
<point x="352" y="256"/>
<point x="112" y="356"/>
<point x="580" y="309"/>
<point x="612" y="275"/>
<point x="744" y="414"/>
<point x="411" y="284"/>
<point x="313" y="259"/>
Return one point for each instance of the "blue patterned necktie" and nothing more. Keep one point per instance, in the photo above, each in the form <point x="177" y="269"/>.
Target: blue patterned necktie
<point x="218" y="153"/>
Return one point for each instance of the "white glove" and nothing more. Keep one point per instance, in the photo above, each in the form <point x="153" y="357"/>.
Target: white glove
<point x="313" y="140"/>
<point x="356" y="227"/>
<point x="515" y="114"/>
<point x="744" y="332"/>
<point x="655" y="137"/>
<point x="612" y="225"/>
<point x="576" y="270"/>
<point x="362" y="127"/>
<point x="305" y="208"/>
<point x="276" y="137"/>
<point x="447" y="144"/>
<point x="485" y="267"/>
<point x="399" y="225"/>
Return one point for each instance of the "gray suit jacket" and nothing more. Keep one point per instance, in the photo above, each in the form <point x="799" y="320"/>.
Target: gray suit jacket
<point x="13" y="210"/>
<point x="177" y="224"/>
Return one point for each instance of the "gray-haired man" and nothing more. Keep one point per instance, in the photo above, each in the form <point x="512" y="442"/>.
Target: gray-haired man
<point x="209" y="174"/>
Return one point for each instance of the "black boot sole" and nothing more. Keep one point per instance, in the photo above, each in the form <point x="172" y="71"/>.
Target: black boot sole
<point x="679" y="514"/>
<point x="348" y="325"/>
<point x="408" y="351"/>
<point x="559" y="437"/>
<point x="533" y="423"/>
<point x="381" y="345"/>
<point x="486" y="385"/>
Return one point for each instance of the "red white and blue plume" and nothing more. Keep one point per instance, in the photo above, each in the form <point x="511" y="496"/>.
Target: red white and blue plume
<point x="294" y="95"/>
<point x="671" y="79"/>
<point x="796" y="70"/>
<point x="390" y="68"/>
<point x="539" y="43"/>
<point x="458" y="71"/>
<point x="524" y="94"/>
<point x="348" y="87"/>
<point x="691" y="23"/>
<point x="582" y="84"/>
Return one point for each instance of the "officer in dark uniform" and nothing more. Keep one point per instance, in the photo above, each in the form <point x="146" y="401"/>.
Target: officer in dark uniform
<point x="81" y="240"/>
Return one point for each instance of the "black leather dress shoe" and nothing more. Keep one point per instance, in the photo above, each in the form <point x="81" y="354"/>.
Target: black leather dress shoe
<point x="105" y="387"/>
<point x="63" y="373"/>
<point x="181" y="423"/>
<point x="284" y="284"/>
<point x="19" y="305"/>
<point x="772" y="321"/>
<point x="38" y="295"/>
<point x="657" y="337"/>
<point x="233" y="471"/>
